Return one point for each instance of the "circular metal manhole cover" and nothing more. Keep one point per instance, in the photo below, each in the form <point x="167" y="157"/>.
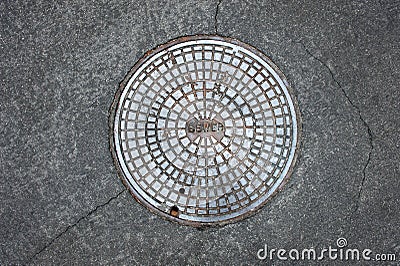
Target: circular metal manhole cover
<point x="204" y="130"/>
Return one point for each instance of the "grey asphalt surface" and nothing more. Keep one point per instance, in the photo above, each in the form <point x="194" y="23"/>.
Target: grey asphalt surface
<point x="61" y="201"/>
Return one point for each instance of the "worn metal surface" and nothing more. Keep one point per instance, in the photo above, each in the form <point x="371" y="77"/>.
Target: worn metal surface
<point x="204" y="130"/>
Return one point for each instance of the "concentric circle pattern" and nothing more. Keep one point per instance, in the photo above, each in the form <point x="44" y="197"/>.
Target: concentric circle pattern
<point x="204" y="130"/>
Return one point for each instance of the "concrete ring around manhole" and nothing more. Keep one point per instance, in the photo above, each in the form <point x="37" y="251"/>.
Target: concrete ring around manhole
<point x="204" y="130"/>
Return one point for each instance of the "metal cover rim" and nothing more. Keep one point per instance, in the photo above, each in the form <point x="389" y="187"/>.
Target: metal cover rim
<point x="124" y="172"/>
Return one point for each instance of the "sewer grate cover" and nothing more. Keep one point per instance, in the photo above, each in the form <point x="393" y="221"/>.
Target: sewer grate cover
<point x="204" y="130"/>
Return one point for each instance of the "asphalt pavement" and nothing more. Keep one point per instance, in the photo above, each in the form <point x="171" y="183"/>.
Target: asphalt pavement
<point x="61" y="201"/>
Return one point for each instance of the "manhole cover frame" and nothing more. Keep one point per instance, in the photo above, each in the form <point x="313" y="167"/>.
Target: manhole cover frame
<point x="114" y="108"/>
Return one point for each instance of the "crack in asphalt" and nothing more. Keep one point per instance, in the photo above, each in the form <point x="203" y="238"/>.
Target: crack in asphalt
<point x="75" y="224"/>
<point x="216" y="17"/>
<point x="369" y="131"/>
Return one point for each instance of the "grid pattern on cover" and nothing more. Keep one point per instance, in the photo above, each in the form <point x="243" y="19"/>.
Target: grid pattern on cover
<point x="207" y="174"/>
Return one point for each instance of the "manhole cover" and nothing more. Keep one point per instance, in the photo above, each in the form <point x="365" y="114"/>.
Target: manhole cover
<point x="204" y="130"/>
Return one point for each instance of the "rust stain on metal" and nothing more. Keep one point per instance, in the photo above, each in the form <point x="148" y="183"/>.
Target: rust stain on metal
<point x="204" y="130"/>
